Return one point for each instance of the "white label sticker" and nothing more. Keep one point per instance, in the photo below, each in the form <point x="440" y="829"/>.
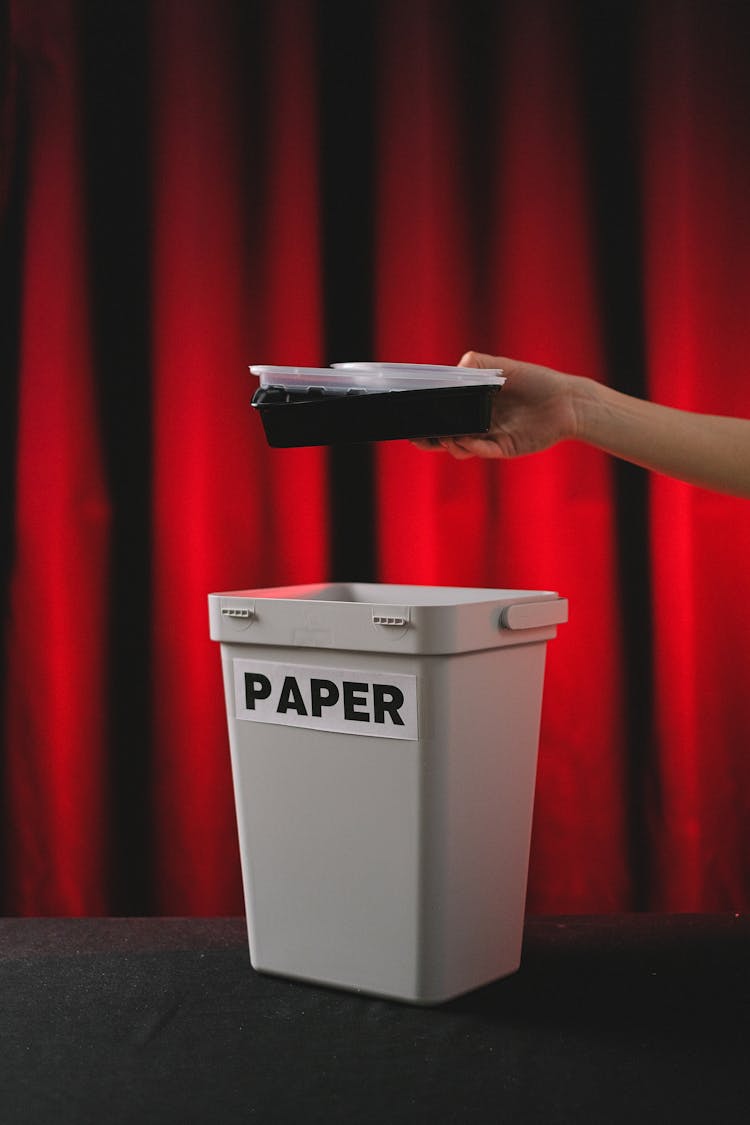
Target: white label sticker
<point x="338" y="699"/>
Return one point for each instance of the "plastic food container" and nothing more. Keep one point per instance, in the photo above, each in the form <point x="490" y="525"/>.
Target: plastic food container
<point x="360" y="402"/>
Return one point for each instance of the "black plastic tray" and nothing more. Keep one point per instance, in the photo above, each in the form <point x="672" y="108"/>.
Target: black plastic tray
<point x="292" y="418"/>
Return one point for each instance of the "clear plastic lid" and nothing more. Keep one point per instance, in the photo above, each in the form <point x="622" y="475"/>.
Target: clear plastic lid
<point x="376" y="377"/>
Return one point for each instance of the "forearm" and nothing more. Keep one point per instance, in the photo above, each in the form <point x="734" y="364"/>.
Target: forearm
<point x="706" y="450"/>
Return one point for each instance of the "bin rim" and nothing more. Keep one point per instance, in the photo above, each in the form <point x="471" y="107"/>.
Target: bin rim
<point x="397" y="591"/>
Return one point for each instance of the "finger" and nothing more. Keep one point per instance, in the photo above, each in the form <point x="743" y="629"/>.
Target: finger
<point x="431" y="445"/>
<point x="452" y="446"/>
<point x="501" y="363"/>
<point x="474" y="359"/>
<point x="477" y="446"/>
<point x="480" y="359"/>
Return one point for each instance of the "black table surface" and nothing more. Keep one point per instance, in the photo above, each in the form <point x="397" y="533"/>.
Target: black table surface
<point x="614" y="1018"/>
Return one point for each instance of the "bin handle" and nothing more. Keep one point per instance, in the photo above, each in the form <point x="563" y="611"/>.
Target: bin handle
<point x="534" y="615"/>
<point x="391" y="615"/>
<point x="245" y="612"/>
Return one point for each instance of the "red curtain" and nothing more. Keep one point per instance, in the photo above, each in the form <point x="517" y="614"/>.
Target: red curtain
<point x="539" y="524"/>
<point x="222" y="501"/>
<point x="485" y="236"/>
<point x="55" y="763"/>
<point x="696" y="174"/>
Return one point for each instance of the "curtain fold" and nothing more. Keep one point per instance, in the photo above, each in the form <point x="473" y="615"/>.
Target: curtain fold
<point x="495" y="136"/>
<point x="696" y="173"/>
<point x="56" y="791"/>
<point x="522" y="526"/>
<point x="227" y="513"/>
<point x="555" y="524"/>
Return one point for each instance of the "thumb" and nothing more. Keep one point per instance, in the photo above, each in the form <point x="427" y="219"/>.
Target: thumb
<point x="479" y="359"/>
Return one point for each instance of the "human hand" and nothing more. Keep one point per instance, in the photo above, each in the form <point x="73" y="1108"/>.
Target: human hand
<point x="536" y="408"/>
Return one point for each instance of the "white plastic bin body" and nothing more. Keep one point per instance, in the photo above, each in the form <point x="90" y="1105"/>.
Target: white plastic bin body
<point x="391" y="865"/>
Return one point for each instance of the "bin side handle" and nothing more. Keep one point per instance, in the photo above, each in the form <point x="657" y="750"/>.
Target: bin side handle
<point x="534" y="615"/>
<point x="391" y="615"/>
<point x="243" y="612"/>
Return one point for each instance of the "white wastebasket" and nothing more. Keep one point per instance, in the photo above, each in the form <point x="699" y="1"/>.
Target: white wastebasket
<point x="384" y="744"/>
